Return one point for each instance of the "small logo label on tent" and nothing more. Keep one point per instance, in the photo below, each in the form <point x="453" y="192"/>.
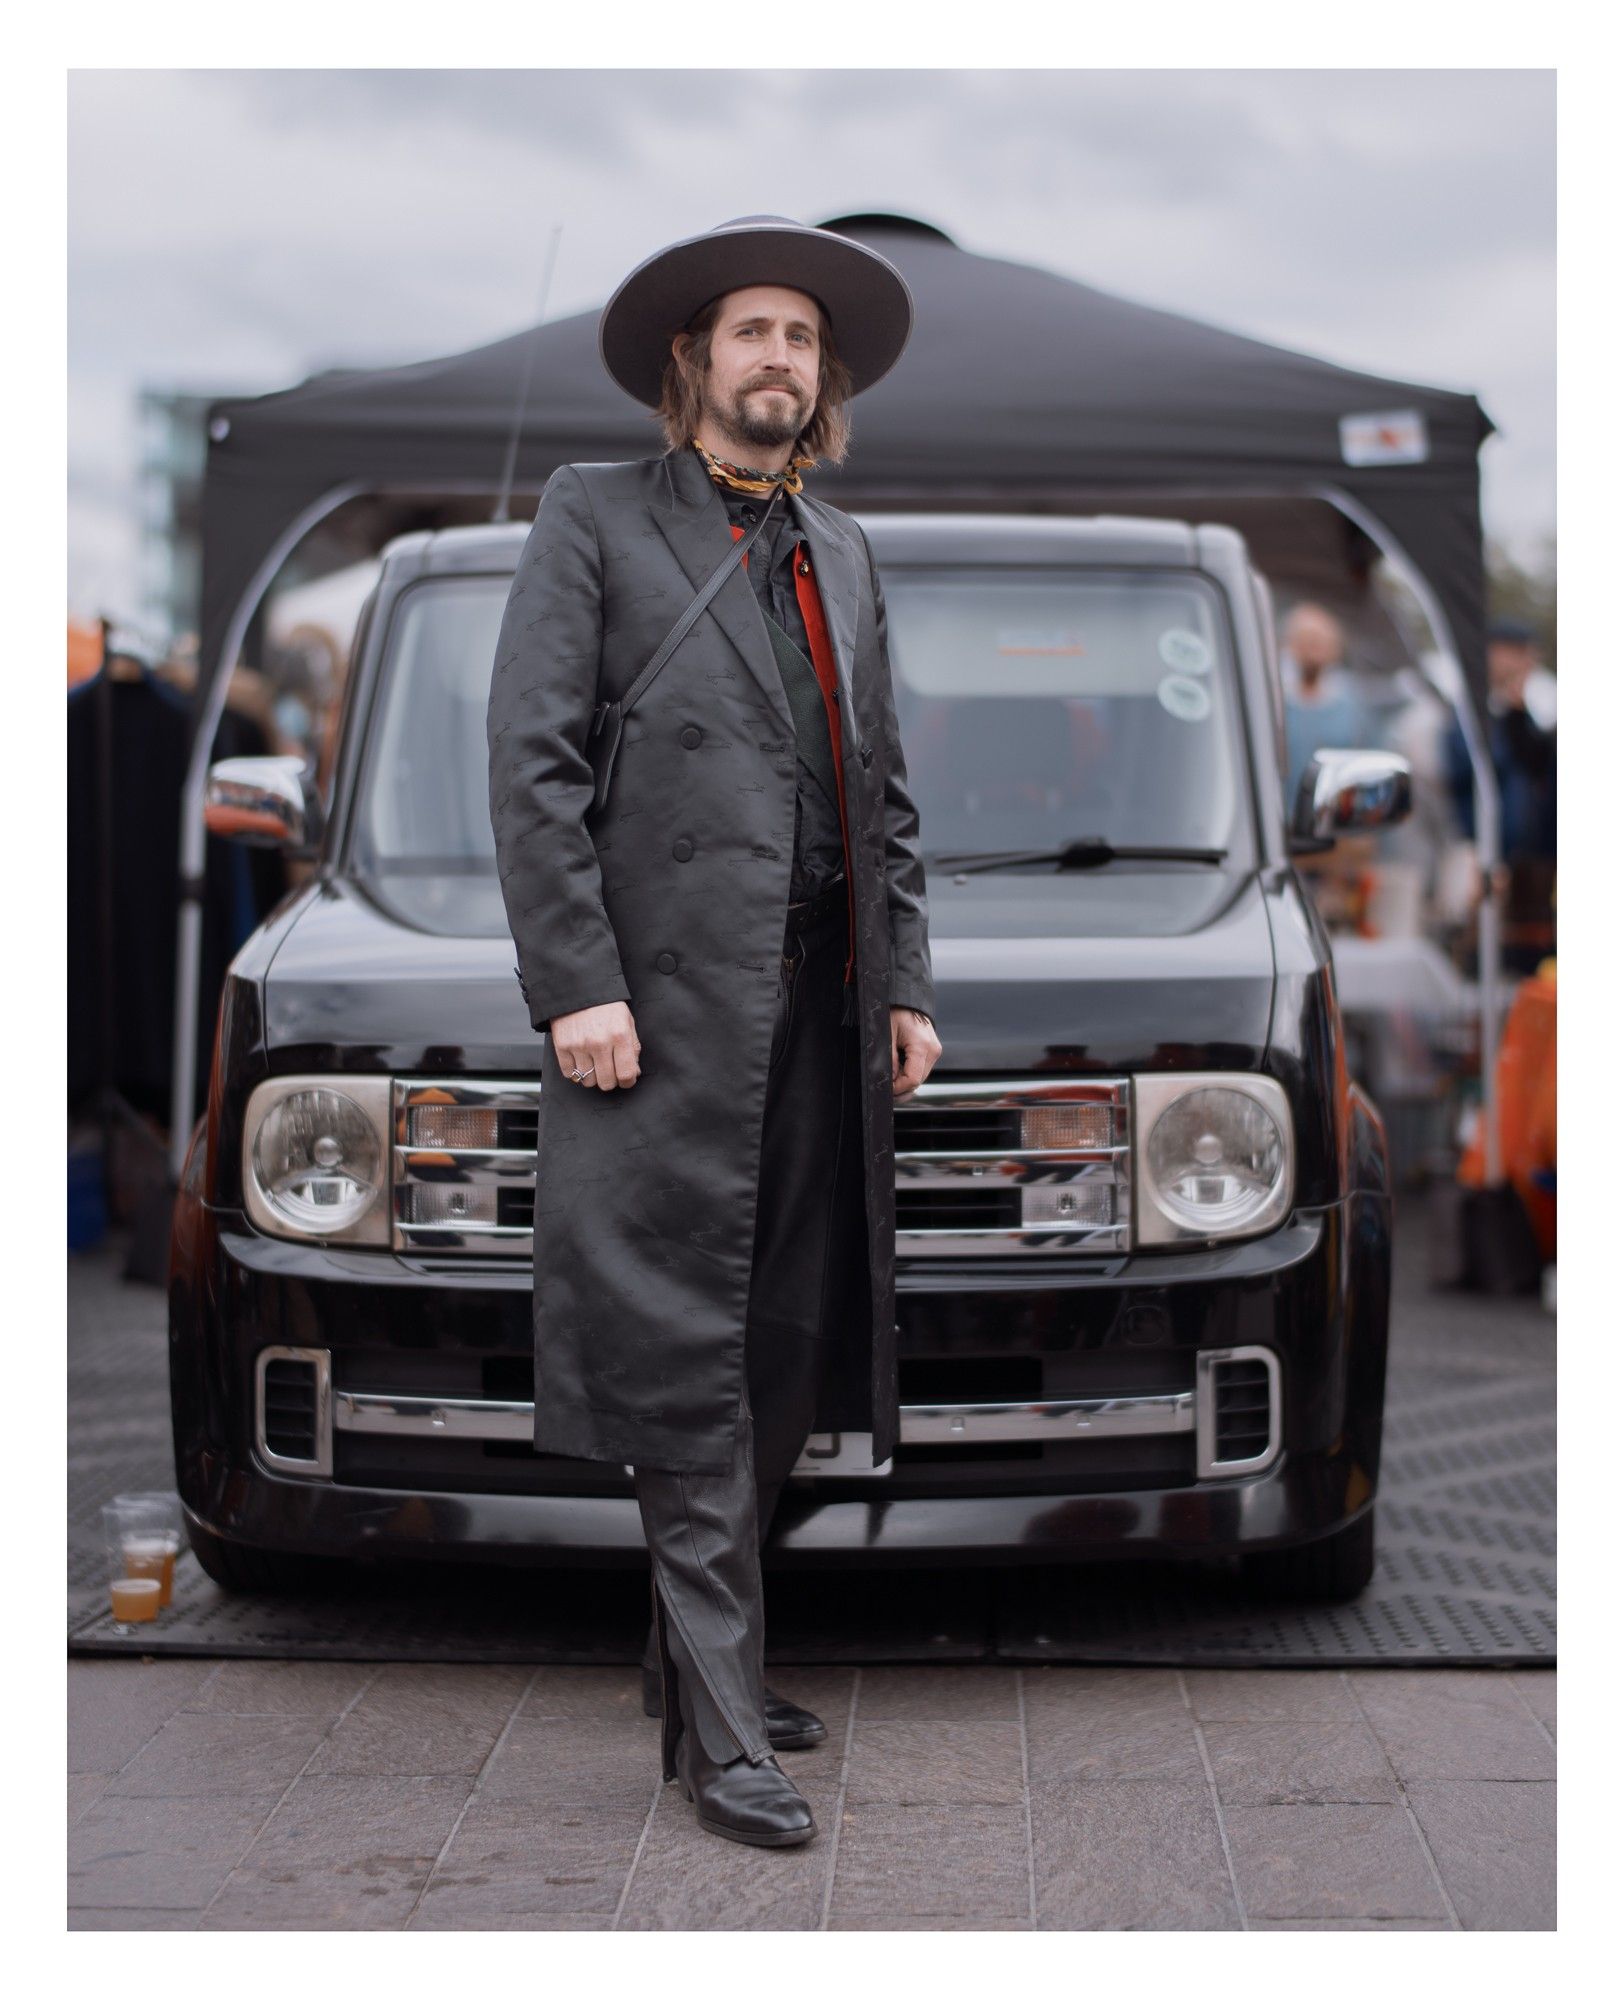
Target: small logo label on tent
<point x="1389" y="437"/>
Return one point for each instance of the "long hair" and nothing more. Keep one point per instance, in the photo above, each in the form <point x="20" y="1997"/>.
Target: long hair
<point x="827" y="434"/>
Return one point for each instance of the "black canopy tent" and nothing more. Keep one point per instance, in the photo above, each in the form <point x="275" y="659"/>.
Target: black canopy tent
<point x="1019" y="390"/>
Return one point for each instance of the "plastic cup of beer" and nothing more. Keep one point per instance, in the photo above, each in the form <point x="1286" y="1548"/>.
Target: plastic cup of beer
<point x="134" y="1598"/>
<point x="143" y="1540"/>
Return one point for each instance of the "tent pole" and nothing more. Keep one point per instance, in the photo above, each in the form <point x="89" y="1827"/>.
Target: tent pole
<point x="1486" y="797"/>
<point x="193" y="835"/>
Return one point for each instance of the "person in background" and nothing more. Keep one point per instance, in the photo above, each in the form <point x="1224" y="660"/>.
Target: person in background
<point x="1322" y="711"/>
<point x="1524" y="756"/>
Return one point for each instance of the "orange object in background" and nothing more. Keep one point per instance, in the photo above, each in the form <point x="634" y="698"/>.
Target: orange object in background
<point x="1526" y="1074"/>
<point x="84" y="650"/>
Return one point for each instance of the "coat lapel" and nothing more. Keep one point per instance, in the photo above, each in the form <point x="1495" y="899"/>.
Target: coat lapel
<point x="834" y="570"/>
<point x="695" y="524"/>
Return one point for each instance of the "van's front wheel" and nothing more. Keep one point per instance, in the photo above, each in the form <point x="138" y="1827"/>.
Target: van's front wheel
<point x="1330" y="1571"/>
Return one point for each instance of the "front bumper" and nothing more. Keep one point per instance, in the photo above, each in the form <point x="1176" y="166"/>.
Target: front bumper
<point x="1095" y="1455"/>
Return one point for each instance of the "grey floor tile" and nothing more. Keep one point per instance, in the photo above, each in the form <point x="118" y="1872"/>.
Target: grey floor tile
<point x="1110" y="1723"/>
<point x="574" y="1762"/>
<point x="689" y="1879"/>
<point x="341" y="1818"/>
<point x="1102" y="1690"/>
<point x="362" y="1896"/>
<point x="411" y="1739"/>
<point x="283" y="1687"/>
<point x="132" y="1920"/>
<point x="448" y="1917"/>
<point x="347" y="1853"/>
<point x="1129" y="1856"/>
<point x="116" y="1706"/>
<point x="584" y="1694"/>
<point x="161" y="1853"/>
<point x="226" y="1755"/>
<point x="1350" y="1924"/>
<point x="1256" y="1694"/>
<point x="932" y="1861"/>
<point x="84" y="1788"/>
<point x="1537" y="1685"/>
<point x="939" y="1693"/>
<point x="508" y="1858"/>
<point x="1495" y="1846"/>
<point x="935" y="1763"/>
<point x="930" y="1920"/>
<point x="1445" y="1723"/>
<point x="1330" y="1861"/>
<point x="1286" y="1763"/>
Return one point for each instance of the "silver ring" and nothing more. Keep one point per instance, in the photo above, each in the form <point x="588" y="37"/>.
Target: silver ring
<point x="580" y="1075"/>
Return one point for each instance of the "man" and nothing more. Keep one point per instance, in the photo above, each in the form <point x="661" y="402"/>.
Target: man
<point x="730" y="958"/>
<point x="1322" y="712"/>
<point x="1524" y="756"/>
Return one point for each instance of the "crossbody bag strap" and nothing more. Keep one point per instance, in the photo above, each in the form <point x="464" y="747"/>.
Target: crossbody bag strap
<point x="707" y="590"/>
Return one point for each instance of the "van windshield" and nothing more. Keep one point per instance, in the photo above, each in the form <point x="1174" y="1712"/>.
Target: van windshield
<point x="1034" y="707"/>
<point x="1038" y="708"/>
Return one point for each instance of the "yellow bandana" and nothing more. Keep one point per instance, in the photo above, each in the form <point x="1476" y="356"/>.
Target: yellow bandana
<point x="746" y="478"/>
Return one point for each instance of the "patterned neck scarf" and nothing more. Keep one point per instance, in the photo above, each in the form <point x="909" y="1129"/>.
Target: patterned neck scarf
<point x="747" y="478"/>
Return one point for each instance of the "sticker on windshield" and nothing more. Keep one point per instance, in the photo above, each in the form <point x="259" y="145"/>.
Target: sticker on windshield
<point x="1186" y="699"/>
<point x="1185" y="651"/>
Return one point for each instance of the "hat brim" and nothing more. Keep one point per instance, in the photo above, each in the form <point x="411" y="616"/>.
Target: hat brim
<point x="869" y="305"/>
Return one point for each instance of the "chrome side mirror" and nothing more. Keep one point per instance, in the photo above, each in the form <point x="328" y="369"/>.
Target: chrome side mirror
<point x="1346" y="791"/>
<point x="267" y="802"/>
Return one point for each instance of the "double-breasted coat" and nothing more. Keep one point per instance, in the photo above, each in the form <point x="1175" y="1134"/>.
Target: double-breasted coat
<point x="673" y="898"/>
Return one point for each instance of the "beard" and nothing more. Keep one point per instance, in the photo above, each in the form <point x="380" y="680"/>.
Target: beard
<point x="779" y="421"/>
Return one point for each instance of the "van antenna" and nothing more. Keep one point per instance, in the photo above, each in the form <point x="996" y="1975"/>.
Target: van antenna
<point x="506" y="493"/>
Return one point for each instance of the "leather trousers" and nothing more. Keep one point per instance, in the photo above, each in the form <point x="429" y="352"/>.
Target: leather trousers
<point x="704" y="1530"/>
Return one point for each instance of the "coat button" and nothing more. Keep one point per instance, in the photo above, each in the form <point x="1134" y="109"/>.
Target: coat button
<point x="683" y="848"/>
<point x="690" y="738"/>
<point x="866" y="752"/>
<point x="667" y="961"/>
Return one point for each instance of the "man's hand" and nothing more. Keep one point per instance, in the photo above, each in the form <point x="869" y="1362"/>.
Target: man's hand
<point x="600" y="1040"/>
<point x="914" y="1049"/>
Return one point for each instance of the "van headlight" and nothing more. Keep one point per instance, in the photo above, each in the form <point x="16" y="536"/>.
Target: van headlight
<point x="315" y="1159"/>
<point x="1213" y="1156"/>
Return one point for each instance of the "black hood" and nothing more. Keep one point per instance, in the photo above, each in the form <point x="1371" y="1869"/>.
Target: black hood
<point x="1121" y="969"/>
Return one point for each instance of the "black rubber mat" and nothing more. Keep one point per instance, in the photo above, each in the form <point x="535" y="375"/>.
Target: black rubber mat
<point x="1466" y="1538"/>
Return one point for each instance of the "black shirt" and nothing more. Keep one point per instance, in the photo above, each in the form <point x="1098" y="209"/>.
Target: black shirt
<point x="820" y="853"/>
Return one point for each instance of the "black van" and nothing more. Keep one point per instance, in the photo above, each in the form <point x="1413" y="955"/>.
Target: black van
<point x="1143" y="1215"/>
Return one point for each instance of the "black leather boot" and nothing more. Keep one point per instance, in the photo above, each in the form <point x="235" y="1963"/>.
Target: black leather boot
<point x="753" y="1803"/>
<point x="789" y="1726"/>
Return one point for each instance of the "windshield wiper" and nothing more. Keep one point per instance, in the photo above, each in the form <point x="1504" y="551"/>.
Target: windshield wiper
<point x="1088" y="851"/>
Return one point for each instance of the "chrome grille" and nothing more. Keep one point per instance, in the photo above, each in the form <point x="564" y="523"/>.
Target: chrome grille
<point x="970" y="1182"/>
<point x="477" y="1194"/>
<point x="1013" y="1166"/>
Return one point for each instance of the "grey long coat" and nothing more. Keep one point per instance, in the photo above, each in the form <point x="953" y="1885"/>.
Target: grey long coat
<point x="673" y="900"/>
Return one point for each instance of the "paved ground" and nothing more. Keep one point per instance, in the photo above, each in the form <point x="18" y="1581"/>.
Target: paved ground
<point x="228" y="1795"/>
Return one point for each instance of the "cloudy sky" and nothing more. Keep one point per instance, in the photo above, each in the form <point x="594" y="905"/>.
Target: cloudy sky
<point x="234" y="230"/>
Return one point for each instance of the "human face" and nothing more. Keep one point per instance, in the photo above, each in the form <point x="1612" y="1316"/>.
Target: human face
<point x="1315" y="638"/>
<point x="762" y="383"/>
<point x="1511" y="661"/>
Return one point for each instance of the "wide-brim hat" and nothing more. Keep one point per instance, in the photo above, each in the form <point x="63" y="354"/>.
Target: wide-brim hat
<point x="869" y="305"/>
